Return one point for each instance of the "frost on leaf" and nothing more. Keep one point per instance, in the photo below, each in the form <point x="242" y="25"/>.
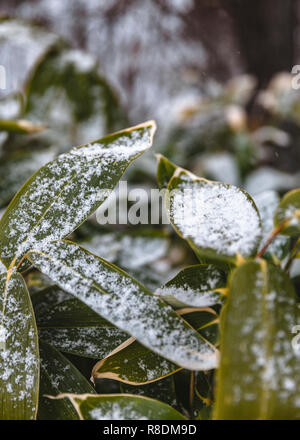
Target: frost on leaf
<point x="124" y="302"/>
<point x="19" y="369"/>
<point x="62" y="194"/>
<point x="219" y="220"/>
<point x="195" y="286"/>
<point x="259" y="376"/>
<point x="72" y="327"/>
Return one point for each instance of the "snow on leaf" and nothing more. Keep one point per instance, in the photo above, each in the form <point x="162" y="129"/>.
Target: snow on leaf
<point x="58" y="375"/>
<point x="218" y="220"/>
<point x="121" y="407"/>
<point x="259" y="376"/>
<point x="124" y="302"/>
<point x="195" y="286"/>
<point x="63" y="193"/>
<point x="19" y="357"/>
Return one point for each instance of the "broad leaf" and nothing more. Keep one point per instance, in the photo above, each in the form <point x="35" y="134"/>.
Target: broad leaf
<point x="288" y="212"/>
<point x="17" y="166"/>
<point x="218" y="220"/>
<point x="124" y="302"/>
<point x="58" y="375"/>
<point x="20" y="126"/>
<point x="165" y="171"/>
<point x="45" y="299"/>
<point x="134" y="364"/>
<point x="62" y="194"/>
<point x="196" y="286"/>
<point x="121" y="407"/>
<point x="267" y="203"/>
<point x="19" y="356"/>
<point x="259" y="376"/>
<point x="72" y="327"/>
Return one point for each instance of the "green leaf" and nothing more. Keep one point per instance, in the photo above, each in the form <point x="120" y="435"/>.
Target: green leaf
<point x="288" y="213"/>
<point x="64" y="193"/>
<point x="134" y="364"/>
<point x="121" y="407"/>
<point x="163" y="390"/>
<point x="67" y="93"/>
<point x="196" y="286"/>
<point x="20" y="126"/>
<point x="58" y="375"/>
<point x="124" y="302"/>
<point x="19" y="356"/>
<point x="45" y="299"/>
<point x="165" y="171"/>
<point x="17" y="166"/>
<point x="72" y="327"/>
<point x="267" y="203"/>
<point x="218" y="220"/>
<point x="259" y="376"/>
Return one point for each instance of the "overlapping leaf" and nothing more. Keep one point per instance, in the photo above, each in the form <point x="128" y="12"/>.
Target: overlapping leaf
<point x="19" y="356"/>
<point x="259" y="376"/>
<point x="196" y="286"/>
<point x="124" y="302"/>
<point x="288" y="213"/>
<point x="62" y="194"/>
<point x="134" y="364"/>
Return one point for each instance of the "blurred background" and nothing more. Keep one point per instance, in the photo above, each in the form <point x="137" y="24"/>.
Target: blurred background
<point x="214" y="74"/>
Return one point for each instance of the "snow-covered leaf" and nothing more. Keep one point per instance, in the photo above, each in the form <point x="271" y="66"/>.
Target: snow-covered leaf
<point x="43" y="300"/>
<point x="259" y="375"/>
<point x="19" y="356"/>
<point x="267" y="203"/>
<point x="134" y="364"/>
<point x="218" y="220"/>
<point x="289" y="211"/>
<point x="72" y="327"/>
<point x="124" y="302"/>
<point x="63" y="193"/>
<point x="58" y="375"/>
<point x="121" y="407"/>
<point x="195" y="286"/>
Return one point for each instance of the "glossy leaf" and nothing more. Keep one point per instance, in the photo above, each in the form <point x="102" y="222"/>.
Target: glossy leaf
<point x="259" y="376"/>
<point x="45" y="299"/>
<point x="20" y="126"/>
<point x="58" y="375"/>
<point x="218" y="220"/>
<point x="17" y="166"/>
<point x="19" y="356"/>
<point x="267" y="203"/>
<point x="72" y="327"/>
<point x="196" y="286"/>
<point x="121" y="407"/>
<point x="124" y="302"/>
<point x="134" y="364"/>
<point x="67" y="93"/>
<point x="62" y="194"/>
<point x="288" y="211"/>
